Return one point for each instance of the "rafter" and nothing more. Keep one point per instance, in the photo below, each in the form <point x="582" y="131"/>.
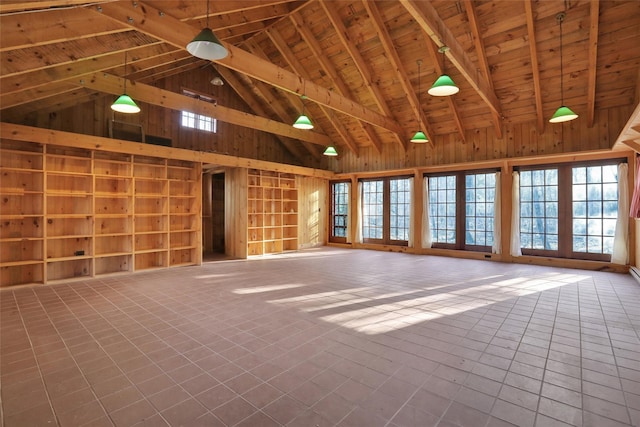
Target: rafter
<point x="329" y="68"/>
<point x="149" y="20"/>
<point x="427" y="17"/>
<point x="533" y="52"/>
<point x="155" y="96"/>
<point x="248" y="97"/>
<point x="264" y="91"/>
<point x="483" y="63"/>
<point x="342" y="33"/>
<point x="594" y="15"/>
<point x="295" y="65"/>
<point x="396" y="63"/>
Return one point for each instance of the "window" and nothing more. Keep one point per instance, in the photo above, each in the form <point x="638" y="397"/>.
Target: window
<point x="199" y="121"/>
<point x="386" y="210"/>
<point x="461" y="210"/>
<point x="339" y="211"/>
<point x="569" y="211"/>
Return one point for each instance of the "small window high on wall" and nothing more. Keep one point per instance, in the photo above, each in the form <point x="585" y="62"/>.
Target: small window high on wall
<point x="569" y="210"/>
<point x="198" y="121"/>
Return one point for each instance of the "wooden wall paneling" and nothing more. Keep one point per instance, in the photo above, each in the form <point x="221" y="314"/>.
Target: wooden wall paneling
<point x="207" y="213"/>
<point x="235" y="204"/>
<point x="313" y="196"/>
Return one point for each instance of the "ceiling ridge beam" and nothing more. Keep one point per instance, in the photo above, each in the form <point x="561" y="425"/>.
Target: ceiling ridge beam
<point x="151" y="21"/>
<point x="427" y="17"/>
<point x="156" y="96"/>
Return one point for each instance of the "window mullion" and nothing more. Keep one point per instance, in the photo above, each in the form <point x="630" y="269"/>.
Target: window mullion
<point x="386" y="211"/>
<point x="461" y="206"/>
<point x="565" y="211"/>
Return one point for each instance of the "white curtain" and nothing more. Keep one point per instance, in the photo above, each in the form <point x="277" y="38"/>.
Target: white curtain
<point x="427" y="239"/>
<point x="515" y="215"/>
<point x="411" y="213"/>
<point x="349" y="214"/>
<point x="497" y="217"/>
<point x="620" y="253"/>
<point x="359" y="213"/>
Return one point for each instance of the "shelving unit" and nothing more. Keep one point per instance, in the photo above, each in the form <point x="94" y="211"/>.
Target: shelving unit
<point x="22" y="212"/>
<point x="113" y="201"/>
<point x="69" y="210"/>
<point x="68" y="213"/>
<point x="272" y="212"/>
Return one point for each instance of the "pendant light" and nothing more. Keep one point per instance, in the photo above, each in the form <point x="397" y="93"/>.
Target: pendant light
<point x="419" y="137"/>
<point x="124" y="103"/>
<point x="303" y="122"/>
<point x="444" y="85"/>
<point x="330" y="151"/>
<point x="206" y="45"/>
<point x="564" y="113"/>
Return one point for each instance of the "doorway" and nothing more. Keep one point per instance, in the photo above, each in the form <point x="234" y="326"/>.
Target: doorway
<point x="213" y="221"/>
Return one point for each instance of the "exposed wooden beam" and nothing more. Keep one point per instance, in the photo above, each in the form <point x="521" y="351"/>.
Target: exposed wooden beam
<point x="396" y="63"/>
<point x="484" y="64"/>
<point x="265" y="92"/>
<point x="533" y="52"/>
<point x="155" y="96"/>
<point x="341" y="31"/>
<point x="594" y="15"/>
<point x="9" y="6"/>
<point x="427" y="17"/>
<point x="153" y="55"/>
<point x="22" y="30"/>
<point x="248" y="97"/>
<point x="90" y="142"/>
<point x="151" y="21"/>
<point x="297" y="68"/>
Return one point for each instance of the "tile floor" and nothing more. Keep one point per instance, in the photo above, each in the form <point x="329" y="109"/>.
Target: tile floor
<point x="325" y="337"/>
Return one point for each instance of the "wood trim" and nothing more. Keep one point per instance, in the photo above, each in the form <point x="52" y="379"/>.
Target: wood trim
<point x="68" y="139"/>
<point x="594" y="15"/>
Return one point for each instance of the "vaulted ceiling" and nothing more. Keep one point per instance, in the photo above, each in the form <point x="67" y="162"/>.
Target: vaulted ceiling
<point x="355" y="61"/>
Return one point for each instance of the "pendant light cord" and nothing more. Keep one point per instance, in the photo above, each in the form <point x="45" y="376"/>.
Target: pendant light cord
<point x="560" y="19"/>
<point x="125" y="71"/>
<point x="419" y="97"/>
<point x="207" y="13"/>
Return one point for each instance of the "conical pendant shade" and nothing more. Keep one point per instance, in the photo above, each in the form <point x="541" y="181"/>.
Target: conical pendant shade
<point x="419" y="138"/>
<point x="303" y="122"/>
<point x="443" y="86"/>
<point x="563" y="114"/>
<point x="330" y="151"/>
<point x="207" y="46"/>
<point x="124" y="104"/>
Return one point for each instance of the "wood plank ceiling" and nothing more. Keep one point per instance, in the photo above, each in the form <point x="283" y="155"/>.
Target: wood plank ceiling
<point x="356" y="61"/>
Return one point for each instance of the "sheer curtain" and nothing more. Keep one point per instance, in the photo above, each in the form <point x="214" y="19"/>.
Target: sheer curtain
<point x="620" y="253"/>
<point x="411" y="214"/>
<point x="349" y="214"/>
<point x="427" y="239"/>
<point x="359" y="213"/>
<point x="497" y="217"/>
<point x="515" y="215"/>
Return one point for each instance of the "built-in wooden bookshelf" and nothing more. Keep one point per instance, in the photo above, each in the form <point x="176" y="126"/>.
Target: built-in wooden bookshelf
<point x="272" y="212"/>
<point x="69" y="212"/>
